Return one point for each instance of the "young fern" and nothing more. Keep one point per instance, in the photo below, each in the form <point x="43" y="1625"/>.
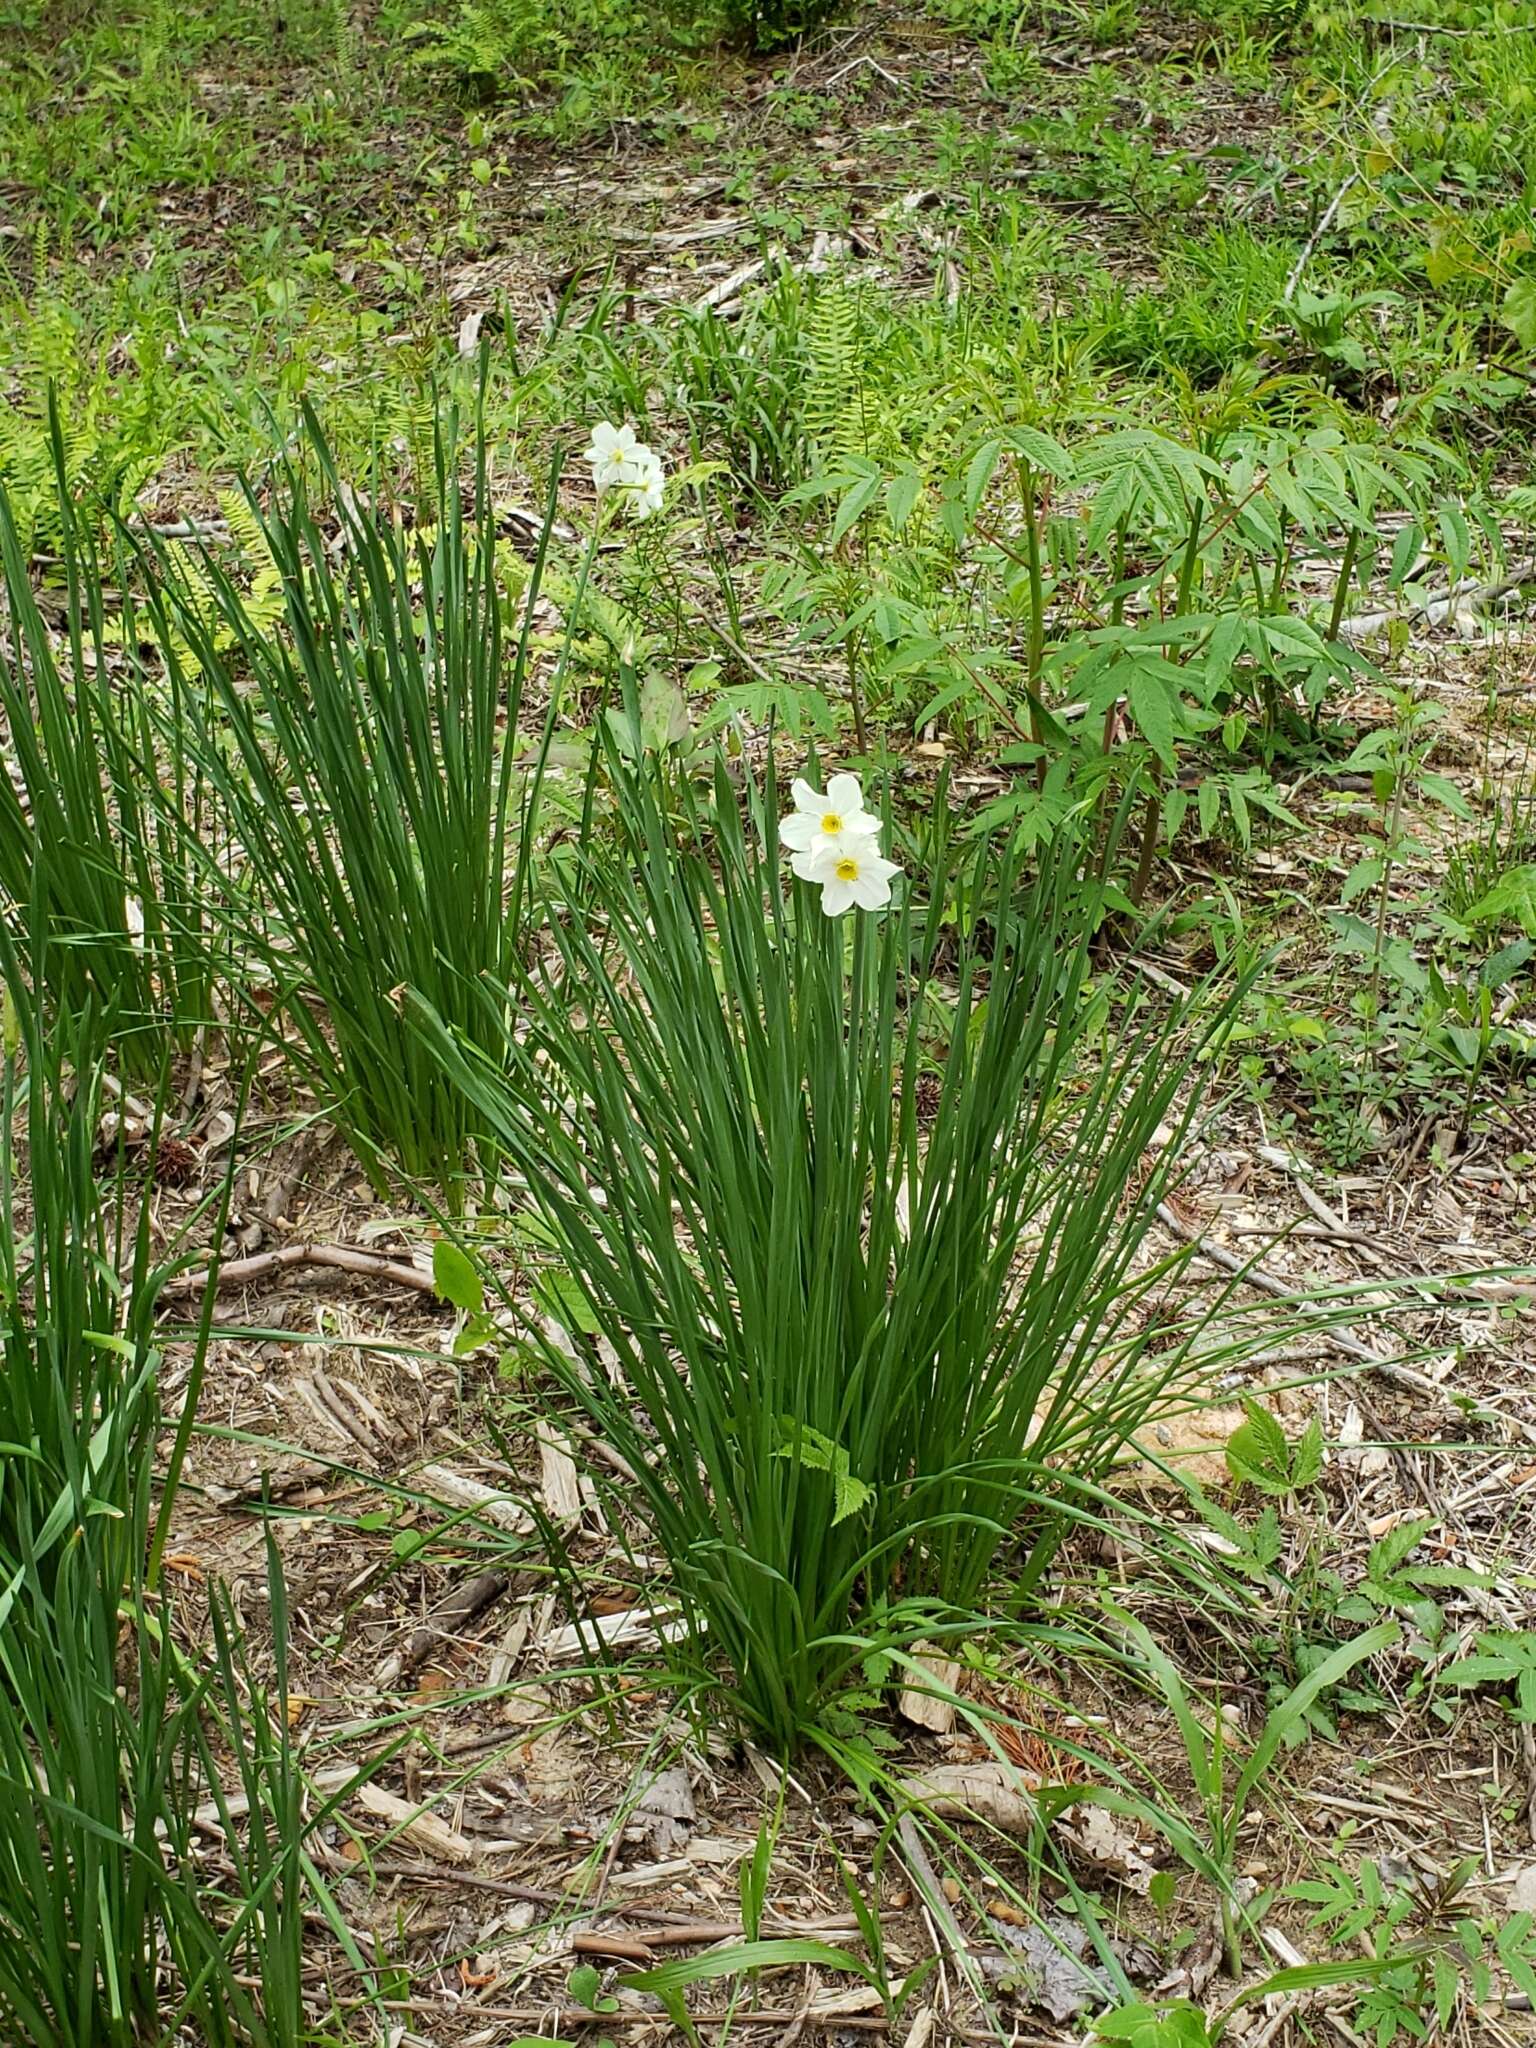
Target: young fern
<point x="189" y="565"/>
<point x="75" y="437"/>
<point x="833" y="406"/>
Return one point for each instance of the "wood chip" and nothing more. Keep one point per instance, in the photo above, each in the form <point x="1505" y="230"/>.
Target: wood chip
<point x="616" y="1631"/>
<point x="565" y="1495"/>
<point x="925" y="1707"/>
<point x="423" y="1830"/>
<point x="442" y="1483"/>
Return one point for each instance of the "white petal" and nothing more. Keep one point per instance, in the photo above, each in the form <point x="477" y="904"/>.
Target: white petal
<point x="860" y="834"/>
<point x="804" y="866"/>
<point x="870" y="891"/>
<point x="798" y="831"/>
<point x="844" y="794"/>
<point x="838" y="897"/>
<point x="806" y="798"/>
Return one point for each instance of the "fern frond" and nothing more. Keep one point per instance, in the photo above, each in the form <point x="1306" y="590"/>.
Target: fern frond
<point x="245" y="527"/>
<point x="833" y="409"/>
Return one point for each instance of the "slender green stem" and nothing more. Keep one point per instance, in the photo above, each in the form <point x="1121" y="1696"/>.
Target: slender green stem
<point x="1231" y="1936"/>
<point x="856" y="695"/>
<point x="1341" y="587"/>
<point x="1035" y="645"/>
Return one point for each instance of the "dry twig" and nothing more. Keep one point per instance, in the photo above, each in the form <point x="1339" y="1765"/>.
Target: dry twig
<point x="343" y="1257"/>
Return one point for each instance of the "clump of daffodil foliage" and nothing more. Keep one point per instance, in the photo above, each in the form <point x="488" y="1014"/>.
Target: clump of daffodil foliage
<point x="853" y="1183"/>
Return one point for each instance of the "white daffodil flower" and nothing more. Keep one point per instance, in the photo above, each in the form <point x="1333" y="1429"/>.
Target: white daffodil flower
<point x="621" y="462"/>
<point x="611" y="453"/>
<point x="647" y="484"/>
<point x="856" y="874"/>
<point x="826" y="823"/>
<point x="133" y="919"/>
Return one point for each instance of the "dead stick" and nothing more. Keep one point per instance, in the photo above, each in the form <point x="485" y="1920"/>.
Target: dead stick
<point x="663" y="1929"/>
<point x="344" y="1258"/>
<point x="622" y="1948"/>
<point x="1317" y="235"/>
<point x="285" y="1185"/>
<point x="1270" y="1283"/>
<point x="699" y="1933"/>
<point x="926" y="1883"/>
<point x="467" y="1602"/>
<point x="1256" y="1276"/>
<point x="578" y="2016"/>
<point x="1281" y="2019"/>
<point x="1469" y="588"/>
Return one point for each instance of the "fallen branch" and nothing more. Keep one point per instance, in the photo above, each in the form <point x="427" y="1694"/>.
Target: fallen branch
<point x="477" y="1593"/>
<point x="615" y="1947"/>
<point x="1436" y="603"/>
<point x="1317" y="235"/>
<point x="628" y="1942"/>
<point x="1254" y="1275"/>
<point x="343" y="1258"/>
<point x="1342" y="1339"/>
<point x="580" y="2015"/>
